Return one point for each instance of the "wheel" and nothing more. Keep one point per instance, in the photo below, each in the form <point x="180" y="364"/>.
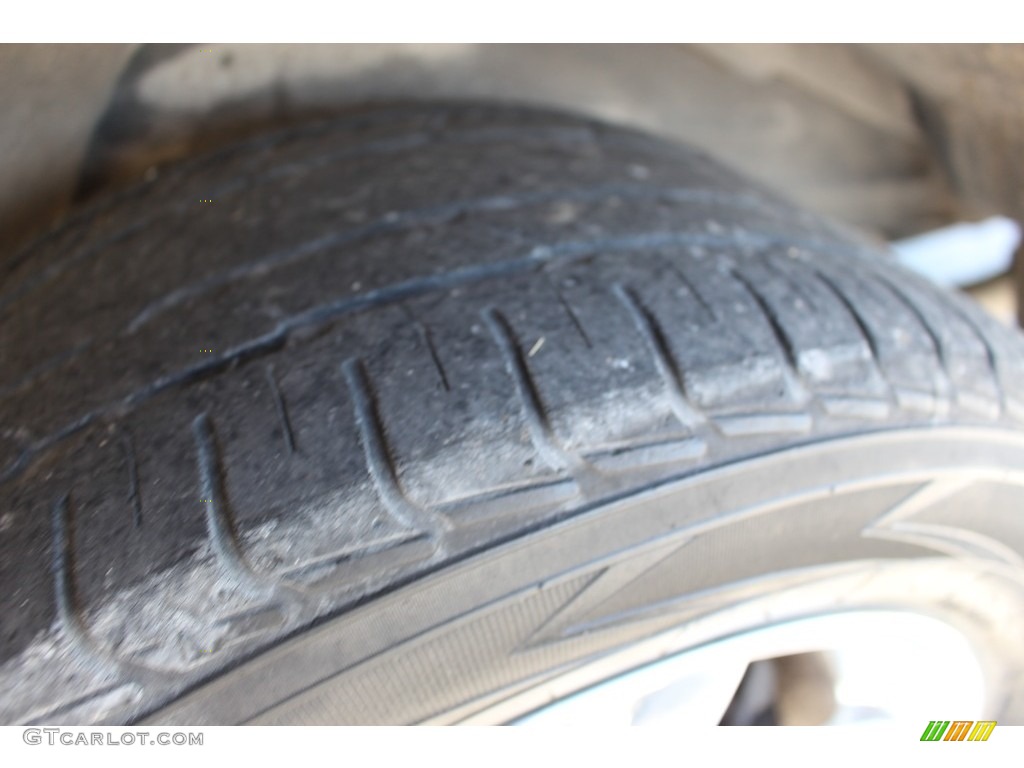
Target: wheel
<point x="444" y="412"/>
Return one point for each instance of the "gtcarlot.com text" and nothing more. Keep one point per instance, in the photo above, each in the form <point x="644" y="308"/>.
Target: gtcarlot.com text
<point x="93" y="738"/>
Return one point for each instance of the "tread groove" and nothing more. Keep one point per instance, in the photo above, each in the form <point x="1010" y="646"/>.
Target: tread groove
<point x="69" y="618"/>
<point x="853" y="312"/>
<point x="785" y="344"/>
<point x="687" y="415"/>
<point x="379" y="461"/>
<point x="791" y="355"/>
<point x="62" y="569"/>
<point x="991" y="358"/>
<point x="945" y="382"/>
<point x="541" y="433"/>
<point x="220" y="529"/>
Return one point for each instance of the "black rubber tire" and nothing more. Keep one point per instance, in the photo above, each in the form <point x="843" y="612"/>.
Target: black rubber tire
<point x="278" y="382"/>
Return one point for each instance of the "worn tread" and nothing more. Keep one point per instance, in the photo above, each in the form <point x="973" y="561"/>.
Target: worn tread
<point x="523" y="332"/>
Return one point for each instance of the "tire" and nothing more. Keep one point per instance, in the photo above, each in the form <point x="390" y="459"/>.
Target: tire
<point x="432" y="401"/>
